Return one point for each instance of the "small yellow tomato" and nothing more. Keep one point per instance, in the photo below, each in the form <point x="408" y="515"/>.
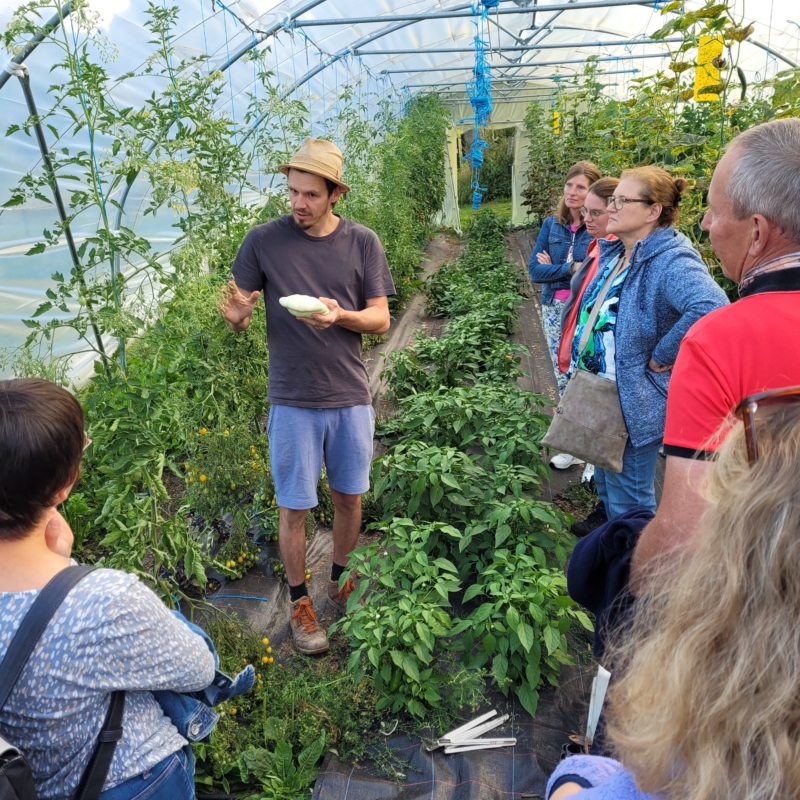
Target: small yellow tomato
<point x="265" y="640"/>
<point x="203" y="431"/>
<point x="240" y="560"/>
<point x="233" y="712"/>
<point x="271" y="660"/>
<point x="226" y="433"/>
<point x="203" y="479"/>
<point x="254" y="465"/>
<point x="269" y="649"/>
<point x="265" y="659"/>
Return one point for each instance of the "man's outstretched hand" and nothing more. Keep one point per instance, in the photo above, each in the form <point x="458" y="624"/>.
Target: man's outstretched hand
<point x="236" y="307"/>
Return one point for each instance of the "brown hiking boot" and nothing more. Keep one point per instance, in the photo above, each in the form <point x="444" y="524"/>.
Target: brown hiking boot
<point x="308" y="637"/>
<point x="337" y="598"/>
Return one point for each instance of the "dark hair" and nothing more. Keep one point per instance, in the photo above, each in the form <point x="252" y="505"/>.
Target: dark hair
<point x="41" y="443"/>
<point x="604" y="188"/>
<point x="590" y="172"/>
<point x="658" y="186"/>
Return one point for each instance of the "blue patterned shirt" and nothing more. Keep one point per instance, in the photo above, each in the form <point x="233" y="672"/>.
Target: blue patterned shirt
<point x="111" y="632"/>
<point x="599" y="355"/>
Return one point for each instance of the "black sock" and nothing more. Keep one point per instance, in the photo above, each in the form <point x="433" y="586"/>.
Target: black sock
<point x="296" y="592"/>
<point x="336" y="572"/>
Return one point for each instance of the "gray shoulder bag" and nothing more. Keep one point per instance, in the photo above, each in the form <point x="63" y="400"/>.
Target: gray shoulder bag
<point x="588" y="422"/>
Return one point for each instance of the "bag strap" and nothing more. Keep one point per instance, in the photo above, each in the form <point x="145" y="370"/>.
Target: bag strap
<point x="94" y="776"/>
<point x="33" y="626"/>
<point x="598" y="303"/>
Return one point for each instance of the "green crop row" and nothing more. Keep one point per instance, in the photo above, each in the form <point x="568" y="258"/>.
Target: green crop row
<point x="468" y="572"/>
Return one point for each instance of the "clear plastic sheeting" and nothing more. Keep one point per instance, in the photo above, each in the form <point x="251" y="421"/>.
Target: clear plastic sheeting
<point x="314" y="49"/>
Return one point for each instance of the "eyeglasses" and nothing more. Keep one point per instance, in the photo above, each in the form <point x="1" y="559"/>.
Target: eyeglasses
<point x="594" y="213"/>
<point x="756" y="407"/>
<point x="619" y="202"/>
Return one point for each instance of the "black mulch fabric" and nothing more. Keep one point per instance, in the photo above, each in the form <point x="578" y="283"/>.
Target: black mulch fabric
<point x="506" y="773"/>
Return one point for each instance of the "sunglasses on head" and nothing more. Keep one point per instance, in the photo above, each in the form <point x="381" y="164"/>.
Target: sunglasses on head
<point x="758" y="406"/>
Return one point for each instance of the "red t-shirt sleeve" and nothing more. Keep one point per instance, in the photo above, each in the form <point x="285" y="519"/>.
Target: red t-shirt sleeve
<point x="699" y="402"/>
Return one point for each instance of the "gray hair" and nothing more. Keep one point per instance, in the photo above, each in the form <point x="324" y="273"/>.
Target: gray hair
<point x="765" y="178"/>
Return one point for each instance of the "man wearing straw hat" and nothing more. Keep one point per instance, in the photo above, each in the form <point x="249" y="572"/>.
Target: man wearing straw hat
<point x="320" y="404"/>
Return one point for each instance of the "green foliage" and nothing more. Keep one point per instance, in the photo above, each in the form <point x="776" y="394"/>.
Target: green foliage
<point x="504" y="421"/>
<point x="306" y="703"/>
<point x="458" y="489"/>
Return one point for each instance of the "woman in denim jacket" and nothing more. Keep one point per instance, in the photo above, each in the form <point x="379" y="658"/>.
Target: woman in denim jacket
<point x="110" y="633"/>
<point x="560" y="248"/>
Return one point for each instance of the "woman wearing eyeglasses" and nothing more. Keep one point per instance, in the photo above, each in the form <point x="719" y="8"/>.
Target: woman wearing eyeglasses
<point x="595" y="218"/>
<point x="660" y="288"/>
<point x="705" y="701"/>
<point x="562" y="243"/>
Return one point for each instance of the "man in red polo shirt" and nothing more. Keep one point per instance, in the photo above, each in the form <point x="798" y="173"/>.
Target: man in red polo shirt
<point x="753" y="222"/>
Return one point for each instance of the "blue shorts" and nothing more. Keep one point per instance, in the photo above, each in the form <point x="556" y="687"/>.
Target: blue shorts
<point x="301" y="439"/>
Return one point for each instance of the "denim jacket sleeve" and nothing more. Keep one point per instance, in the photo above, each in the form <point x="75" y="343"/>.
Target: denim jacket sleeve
<point x="190" y="712"/>
<point x="547" y="273"/>
<point x="693" y="294"/>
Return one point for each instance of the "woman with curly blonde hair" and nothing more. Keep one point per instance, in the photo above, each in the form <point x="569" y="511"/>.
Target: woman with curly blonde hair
<point x="706" y="701"/>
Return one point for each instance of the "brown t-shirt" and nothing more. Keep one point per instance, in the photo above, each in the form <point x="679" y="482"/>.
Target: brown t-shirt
<point x="309" y="368"/>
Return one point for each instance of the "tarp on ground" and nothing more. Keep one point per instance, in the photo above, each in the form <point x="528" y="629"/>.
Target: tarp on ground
<point x="512" y="772"/>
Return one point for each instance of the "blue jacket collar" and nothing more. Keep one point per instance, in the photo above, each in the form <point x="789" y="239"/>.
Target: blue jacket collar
<point x="659" y="241"/>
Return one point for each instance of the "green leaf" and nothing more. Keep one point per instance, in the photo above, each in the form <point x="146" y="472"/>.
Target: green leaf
<point x="472" y="591"/>
<point x="525" y="633"/>
<point x="42" y="309"/>
<point x="528" y="697"/>
<point x="499" y="667"/>
<point x="410" y="668"/>
<point x="415" y="707"/>
<point x="512" y="617"/>
<point x="36" y="249"/>
<point x="552" y="639"/>
<point x="584" y="620"/>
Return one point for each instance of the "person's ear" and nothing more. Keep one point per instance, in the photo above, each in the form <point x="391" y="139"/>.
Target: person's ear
<point x="761" y="231"/>
<point x="655" y="212"/>
<point x="336" y="193"/>
<point x="62" y="494"/>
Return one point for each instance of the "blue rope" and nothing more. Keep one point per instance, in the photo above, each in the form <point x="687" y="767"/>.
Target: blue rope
<point x="240" y="597"/>
<point x="479" y="91"/>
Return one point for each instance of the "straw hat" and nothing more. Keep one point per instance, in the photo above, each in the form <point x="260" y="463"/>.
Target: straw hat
<point x="319" y="157"/>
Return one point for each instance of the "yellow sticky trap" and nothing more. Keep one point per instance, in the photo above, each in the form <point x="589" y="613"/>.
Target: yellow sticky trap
<point x="707" y="79"/>
<point x="556" y="123"/>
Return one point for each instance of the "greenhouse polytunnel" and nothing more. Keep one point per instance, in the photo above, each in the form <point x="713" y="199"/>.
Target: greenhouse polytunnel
<point x="145" y="141"/>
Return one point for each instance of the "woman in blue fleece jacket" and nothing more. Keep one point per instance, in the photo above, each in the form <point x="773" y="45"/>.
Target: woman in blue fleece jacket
<point x="562" y="242"/>
<point x="661" y="288"/>
<point x="705" y="701"/>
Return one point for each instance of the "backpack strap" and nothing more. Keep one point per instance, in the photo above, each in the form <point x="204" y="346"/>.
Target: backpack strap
<point x="33" y="626"/>
<point x="94" y="776"/>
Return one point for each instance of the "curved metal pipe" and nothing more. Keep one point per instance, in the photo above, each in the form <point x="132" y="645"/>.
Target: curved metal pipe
<point x="47" y="29"/>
